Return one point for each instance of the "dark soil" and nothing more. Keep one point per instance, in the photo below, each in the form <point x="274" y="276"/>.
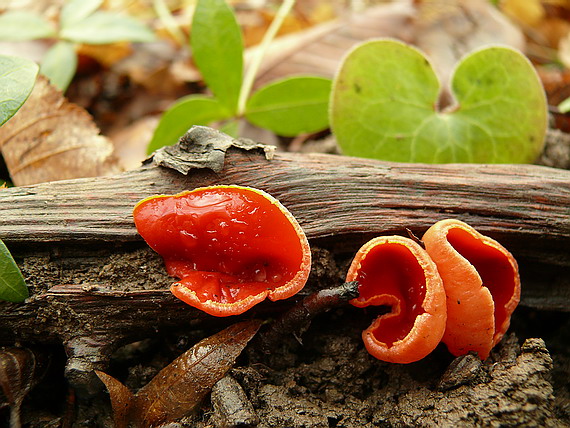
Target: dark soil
<point x="324" y="378"/>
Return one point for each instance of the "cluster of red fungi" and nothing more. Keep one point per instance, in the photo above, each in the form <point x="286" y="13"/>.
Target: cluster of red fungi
<point x="232" y="247"/>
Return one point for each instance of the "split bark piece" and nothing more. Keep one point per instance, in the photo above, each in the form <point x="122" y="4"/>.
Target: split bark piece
<point x="87" y="353"/>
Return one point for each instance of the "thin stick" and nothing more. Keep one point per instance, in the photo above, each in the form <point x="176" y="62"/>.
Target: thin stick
<point x="253" y="68"/>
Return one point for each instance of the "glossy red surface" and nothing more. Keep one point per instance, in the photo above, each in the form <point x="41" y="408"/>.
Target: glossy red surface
<point x="226" y="243"/>
<point x="390" y="274"/>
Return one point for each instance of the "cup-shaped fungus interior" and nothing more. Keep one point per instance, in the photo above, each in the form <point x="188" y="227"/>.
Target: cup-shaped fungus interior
<point x="230" y="246"/>
<point x="497" y="271"/>
<point x="390" y="274"/>
<point x="395" y="271"/>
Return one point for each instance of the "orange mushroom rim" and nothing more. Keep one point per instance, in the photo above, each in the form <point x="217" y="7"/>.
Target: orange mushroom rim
<point x="482" y="283"/>
<point x="230" y="246"/>
<point x="395" y="271"/>
<point x="233" y="246"/>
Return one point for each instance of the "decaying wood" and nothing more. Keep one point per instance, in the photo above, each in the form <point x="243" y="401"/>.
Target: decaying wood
<point x="339" y="201"/>
<point x="525" y="206"/>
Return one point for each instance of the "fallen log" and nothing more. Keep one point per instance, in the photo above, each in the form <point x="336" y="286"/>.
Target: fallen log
<point x="339" y="201"/>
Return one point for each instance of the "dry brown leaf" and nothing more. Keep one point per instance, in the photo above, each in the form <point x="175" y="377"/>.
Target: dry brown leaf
<point x="20" y="370"/>
<point x="528" y="12"/>
<point x="107" y="54"/>
<point x="320" y="49"/>
<point x="52" y="139"/>
<point x="564" y="51"/>
<point x="255" y="20"/>
<point x="127" y="141"/>
<point x="182" y="385"/>
<point x="446" y="30"/>
<point x="178" y="388"/>
<point x="545" y="23"/>
<point x="553" y="31"/>
<point x="122" y="399"/>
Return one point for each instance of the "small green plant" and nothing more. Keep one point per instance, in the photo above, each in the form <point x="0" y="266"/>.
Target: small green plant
<point x="288" y="107"/>
<point x="12" y="284"/>
<point x="17" y="78"/>
<point x="79" y="22"/>
<point x="384" y="106"/>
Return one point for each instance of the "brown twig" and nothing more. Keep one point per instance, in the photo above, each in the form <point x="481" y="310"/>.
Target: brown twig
<point x="298" y="318"/>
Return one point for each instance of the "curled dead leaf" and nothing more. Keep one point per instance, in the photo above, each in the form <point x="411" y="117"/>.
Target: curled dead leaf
<point x="121" y="399"/>
<point x="319" y="49"/>
<point x="20" y="370"/>
<point x="182" y="385"/>
<point x="52" y="139"/>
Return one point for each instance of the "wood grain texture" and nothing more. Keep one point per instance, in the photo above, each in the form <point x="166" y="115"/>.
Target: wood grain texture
<point x="330" y="196"/>
<point x="339" y="201"/>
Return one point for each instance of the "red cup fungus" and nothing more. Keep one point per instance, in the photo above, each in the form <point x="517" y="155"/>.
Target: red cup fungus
<point x="230" y="246"/>
<point x="482" y="285"/>
<point x="395" y="271"/>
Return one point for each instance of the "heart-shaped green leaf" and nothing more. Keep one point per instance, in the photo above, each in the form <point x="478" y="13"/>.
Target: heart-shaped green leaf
<point x="12" y="285"/>
<point x="384" y="106"/>
<point x="17" y="79"/>
<point x="291" y="106"/>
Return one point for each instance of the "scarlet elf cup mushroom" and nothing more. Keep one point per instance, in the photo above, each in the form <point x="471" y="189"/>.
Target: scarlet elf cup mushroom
<point x="395" y="271"/>
<point x="462" y="289"/>
<point x="482" y="284"/>
<point x="230" y="246"/>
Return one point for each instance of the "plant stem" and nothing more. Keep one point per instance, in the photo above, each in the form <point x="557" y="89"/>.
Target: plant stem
<point x="253" y="68"/>
<point x="163" y="13"/>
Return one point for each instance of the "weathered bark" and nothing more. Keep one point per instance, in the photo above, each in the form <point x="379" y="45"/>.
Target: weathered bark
<point x="339" y="201"/>
<point x="331" y="196"/>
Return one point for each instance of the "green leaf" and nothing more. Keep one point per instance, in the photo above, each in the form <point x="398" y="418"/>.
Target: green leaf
<point x="59" y="64"/>
<point x="384" y="98"/>
<point x="16" y="26"/>
<point x="12" y="285"/>
<point x="107" y="27"/>
<point x="231" y="128"/>
<point x="291" y="106"/>
<point x="217" y="48"/>
<point x="74" y="11"/>
<point x="17" y="78"/>
<point x="186" y="112"/>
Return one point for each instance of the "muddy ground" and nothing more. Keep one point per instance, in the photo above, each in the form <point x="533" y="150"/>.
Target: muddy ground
<point x="325" y="378"/>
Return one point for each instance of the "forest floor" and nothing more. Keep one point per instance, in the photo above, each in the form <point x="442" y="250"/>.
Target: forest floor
<point x="326" y="378"/>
